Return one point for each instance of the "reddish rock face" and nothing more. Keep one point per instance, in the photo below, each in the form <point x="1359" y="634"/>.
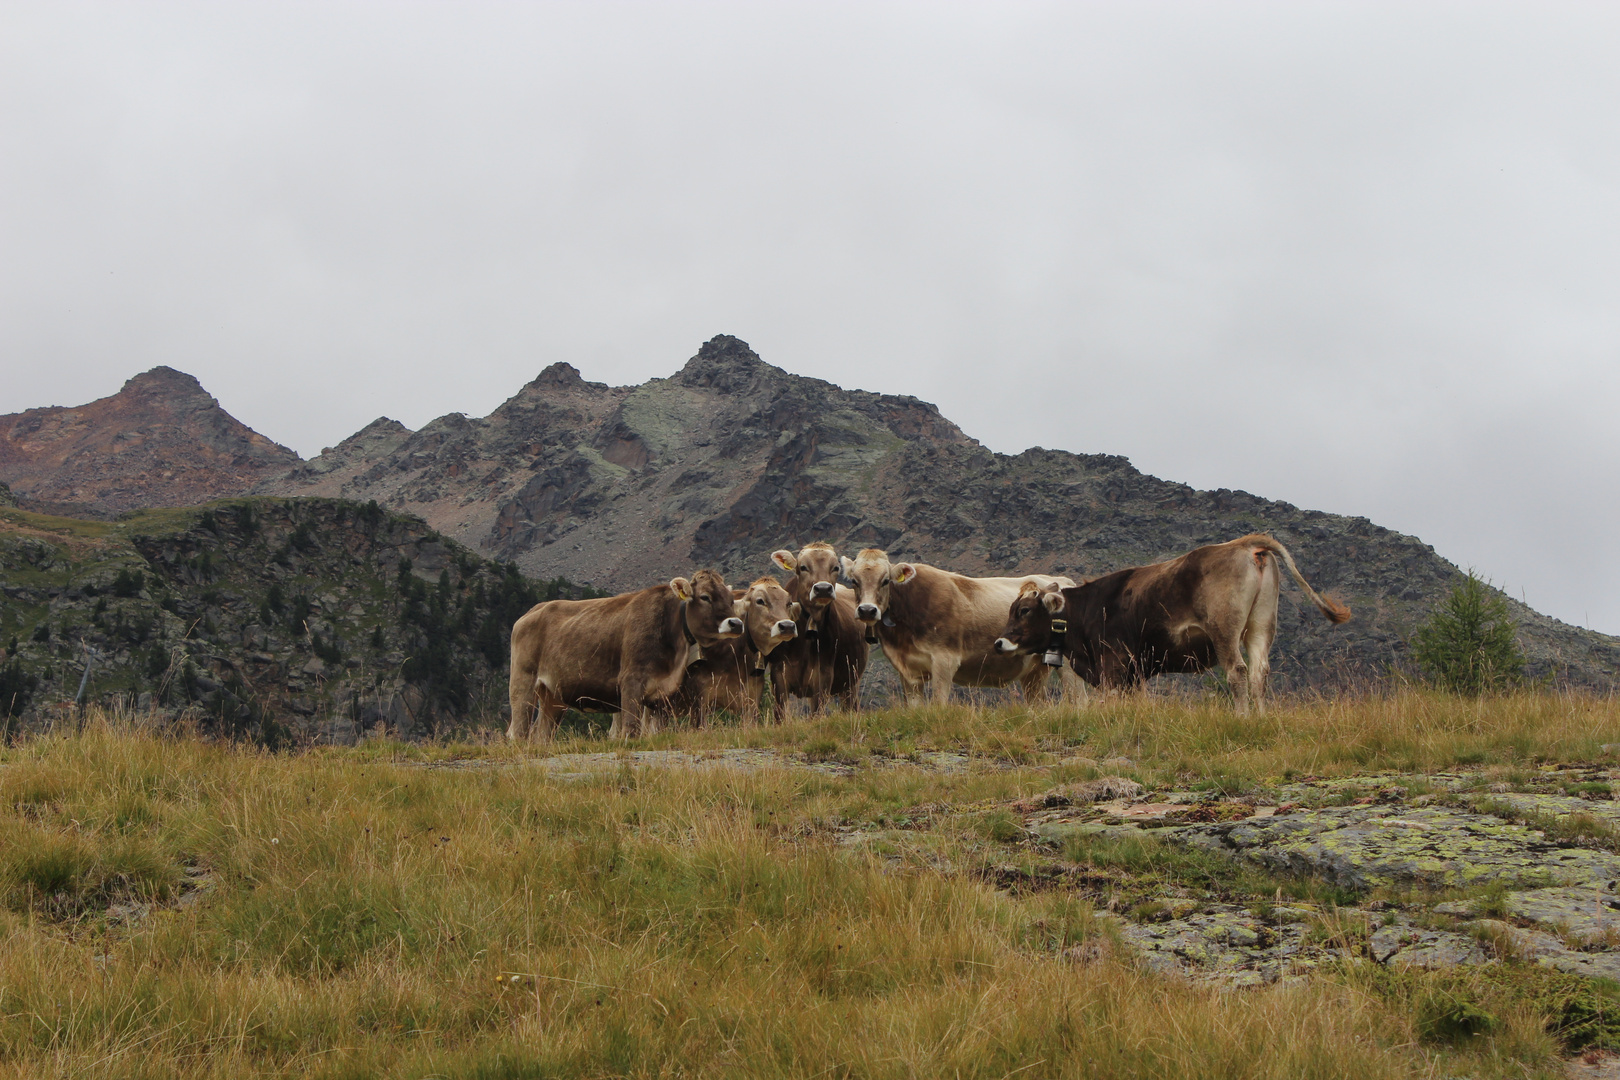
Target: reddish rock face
<point x="160" y="441"/>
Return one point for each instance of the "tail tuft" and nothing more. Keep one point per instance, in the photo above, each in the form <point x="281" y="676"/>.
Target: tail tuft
<point x="1336" y="612"/>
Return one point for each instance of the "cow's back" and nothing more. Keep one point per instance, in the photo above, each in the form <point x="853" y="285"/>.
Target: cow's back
<point x="1161" y="615"/>
<point x="583" y="643"/>
<point x="942" y="612"/>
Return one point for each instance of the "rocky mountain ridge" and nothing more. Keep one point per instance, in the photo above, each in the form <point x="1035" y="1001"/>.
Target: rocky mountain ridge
<point x="731" y="458"/>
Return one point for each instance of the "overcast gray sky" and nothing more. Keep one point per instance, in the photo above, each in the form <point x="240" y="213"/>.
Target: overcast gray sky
<point x="1363" y="257"/>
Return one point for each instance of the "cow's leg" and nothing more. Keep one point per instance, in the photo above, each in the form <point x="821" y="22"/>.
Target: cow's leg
<point x="550" y="711"/>
<point x="1257" y="644"/>
<point x="1034" y="685"/>
<point x="851" y="695"/>
<point x="1074" y="687"/>
<point x="822" y="702"/>
<point x="913" y="686"/>
<point x="1229" y="654"/>
<point x="778" y="693"/>
<point x="524" y="690"/>
<point x="943" y="673"/>
<point x="633" y="717"/>
<point x="525" y="693"/>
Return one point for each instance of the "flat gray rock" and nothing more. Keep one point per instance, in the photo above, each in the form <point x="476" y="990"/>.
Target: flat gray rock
<point x="1360" y="847"/>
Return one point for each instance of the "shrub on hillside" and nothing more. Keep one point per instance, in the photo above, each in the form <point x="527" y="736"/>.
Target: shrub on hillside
<point x="16" y="687"/>
<point x="1469" y="646"/>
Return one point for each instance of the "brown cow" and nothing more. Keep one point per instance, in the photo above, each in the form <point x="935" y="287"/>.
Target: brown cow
<point x="830" y="654"/>
<point x="939" y="626"/>
<point x="628" y="652"/>
<point x="1210" y="606"/>
<point x="731" y="676"/>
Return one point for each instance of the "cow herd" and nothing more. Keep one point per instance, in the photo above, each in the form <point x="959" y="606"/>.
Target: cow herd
<point x="694" y="646"/>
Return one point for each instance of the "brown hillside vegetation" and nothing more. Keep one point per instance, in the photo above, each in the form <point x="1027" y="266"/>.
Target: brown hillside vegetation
<point x="848" y="903"/>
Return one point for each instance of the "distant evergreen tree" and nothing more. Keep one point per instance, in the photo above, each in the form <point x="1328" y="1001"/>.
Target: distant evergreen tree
<point x="16" y="688"/>
<point x="1468" y="646"/>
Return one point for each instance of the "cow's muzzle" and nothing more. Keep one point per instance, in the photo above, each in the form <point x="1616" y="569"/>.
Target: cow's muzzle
<point x="867" y="612"/>
<point x="732" y="627"/>
<point x="822" y="590"/>
<point x="785" y="629"/>
<point x="1004" y="646"/>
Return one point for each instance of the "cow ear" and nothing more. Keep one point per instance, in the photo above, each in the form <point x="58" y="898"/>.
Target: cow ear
<point x="794" y="610"/>
<point x="1029" y="588"/>
<point x="903" y="573"/>
<point x="845" y="565"/>
<point x="739" y="606"/>
<point x="1053" y="601"/>
<point x="785" y="559"/>
<point x="681" y="588"/>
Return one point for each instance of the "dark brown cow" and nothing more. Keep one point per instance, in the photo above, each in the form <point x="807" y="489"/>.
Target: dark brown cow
<point x="830" y="654"/>
<point x="1213" y="605"/>
<point x="628" y="653"/>
<point x="731" y="675"/>
<point x="940" y="627"/>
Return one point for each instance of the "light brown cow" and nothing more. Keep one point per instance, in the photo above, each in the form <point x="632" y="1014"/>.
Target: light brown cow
<point x="731" y="676"/>
<point x="831" y="652"/>
<point x="940" y="627"/>
<point x="1214" y="605"/>
<point x="627" y="653"/>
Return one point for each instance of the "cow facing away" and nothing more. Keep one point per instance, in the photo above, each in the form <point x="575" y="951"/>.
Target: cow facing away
<point x="940" y="627"/>
<point x="830" y="654"/>
<point x="731" y="676"/>
<point x="628" y="653"/>
<point x="1215" y="605"/>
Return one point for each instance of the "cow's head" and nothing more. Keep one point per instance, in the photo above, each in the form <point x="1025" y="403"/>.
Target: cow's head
<point x="871" y="575"/>
<point x="1029" y="620"/>
<point x="710" y="610"/>
<point x="815" y="572"/>
<point x="768" y="614"/>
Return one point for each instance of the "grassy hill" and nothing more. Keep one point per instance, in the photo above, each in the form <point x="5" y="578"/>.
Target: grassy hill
<point x="877" y="896"/>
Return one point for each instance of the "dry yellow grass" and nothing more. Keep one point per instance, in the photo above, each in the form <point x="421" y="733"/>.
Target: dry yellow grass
<point x="364" y="919"/>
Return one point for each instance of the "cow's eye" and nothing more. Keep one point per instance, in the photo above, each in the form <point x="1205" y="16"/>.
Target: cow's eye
<point x="804" y="569"/>
<point x="760" y="602"/>
<point x="884" y="584"/>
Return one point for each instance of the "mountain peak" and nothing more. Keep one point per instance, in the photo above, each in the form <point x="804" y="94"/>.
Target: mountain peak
<point x="560" y="374"/>
<point x="727" y="364"/>
<point x="166" y="381"/>
<point x="162" y="440"/>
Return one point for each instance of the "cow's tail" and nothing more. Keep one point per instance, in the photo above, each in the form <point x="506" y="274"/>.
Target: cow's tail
<point x="1330" y="608"/>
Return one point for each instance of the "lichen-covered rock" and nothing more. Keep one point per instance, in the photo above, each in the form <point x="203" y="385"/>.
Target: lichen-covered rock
<point x="1359" y="847"/>
<point x="1226" y="943"/>
<point x="1589" y="914"/>
<point x="1431" y="949"/>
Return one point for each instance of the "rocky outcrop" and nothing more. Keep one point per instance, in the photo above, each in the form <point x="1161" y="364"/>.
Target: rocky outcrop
<point x="1531" y="873"/>
<point x="265" y="618"/>
<point x="731" y="458"/>
<point x="160" y="441"/>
